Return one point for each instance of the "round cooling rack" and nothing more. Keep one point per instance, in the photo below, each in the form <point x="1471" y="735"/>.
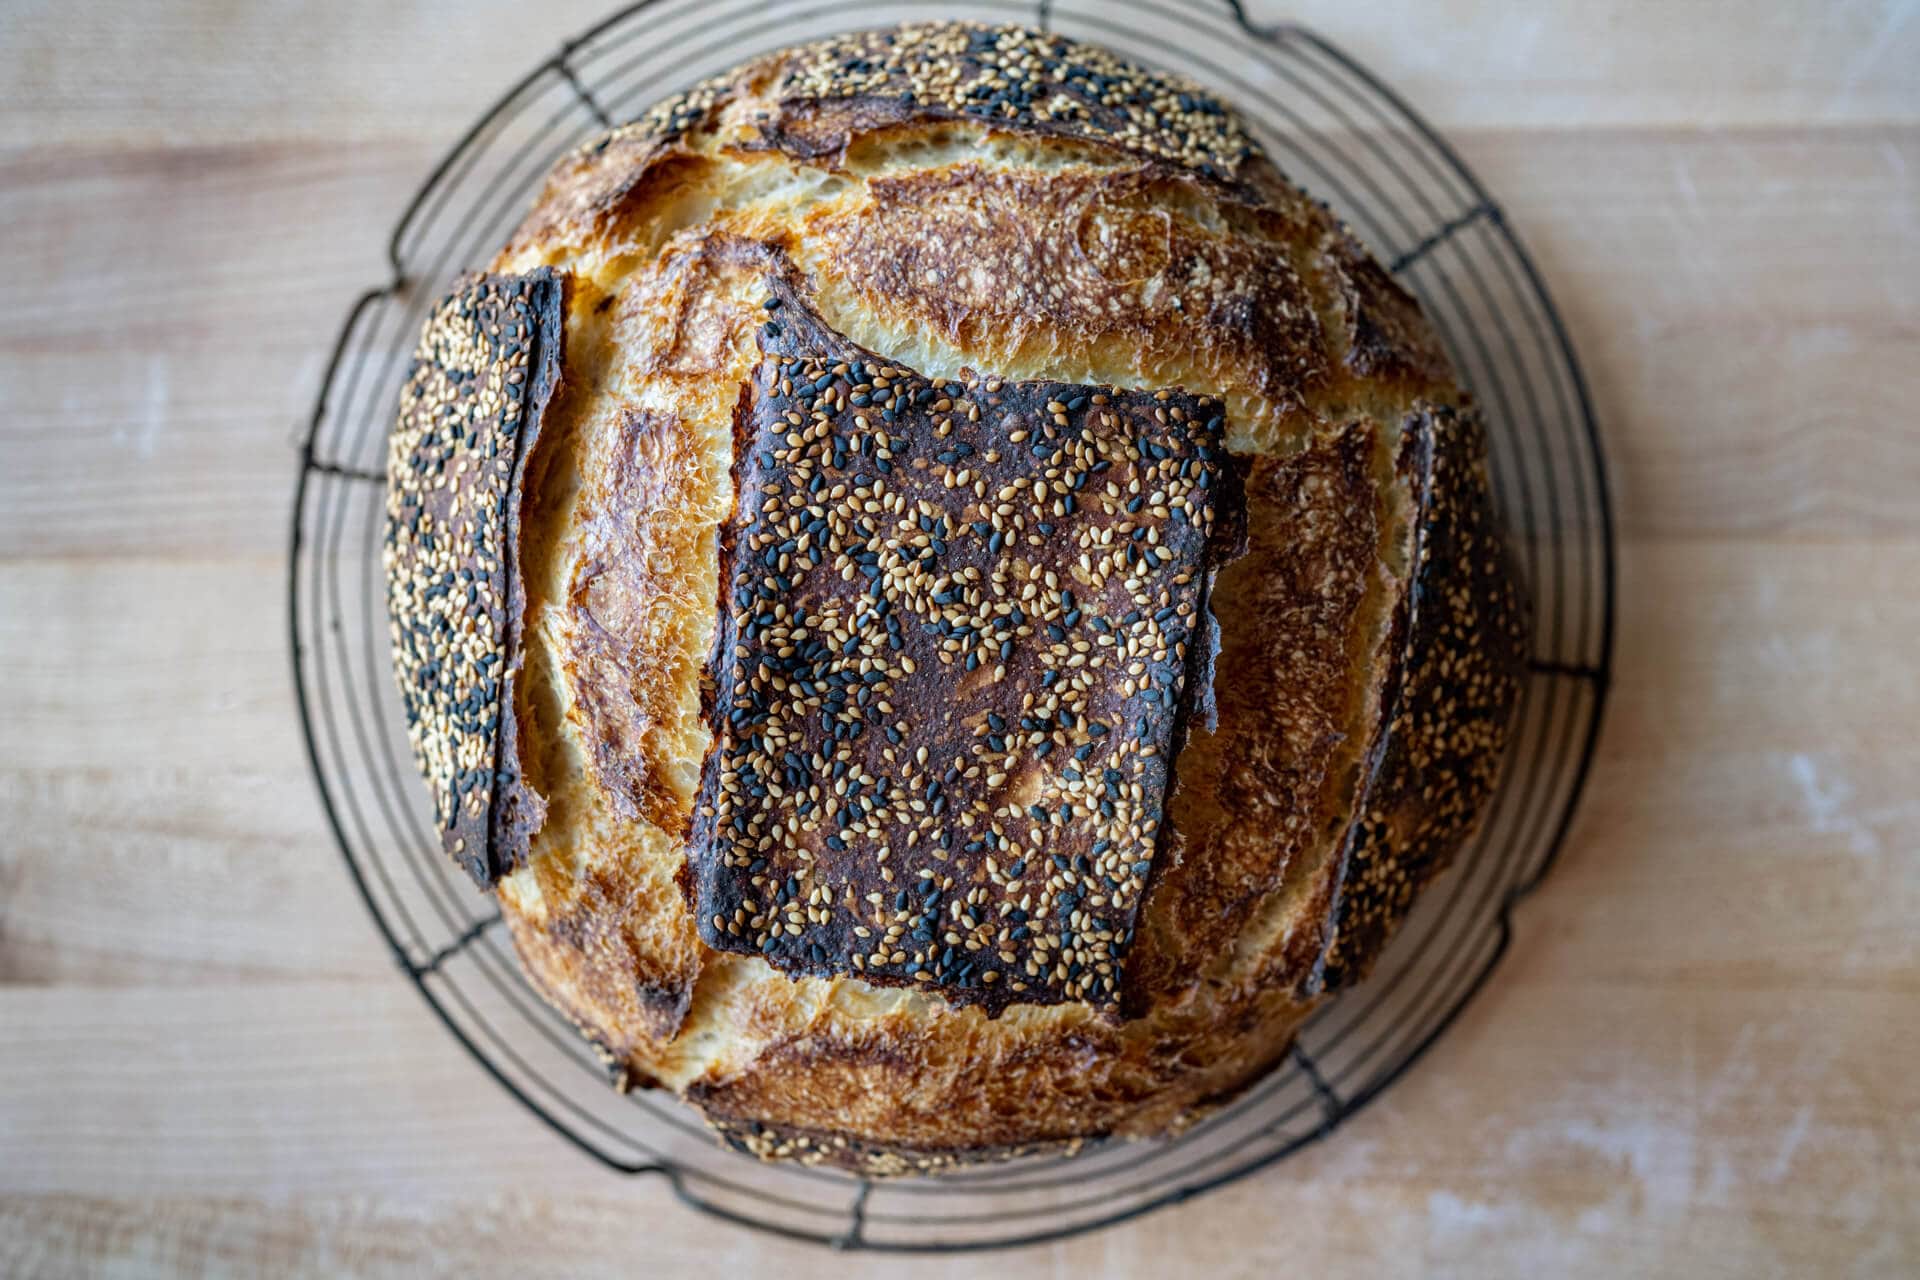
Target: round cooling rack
<point x="1333" y="127"/>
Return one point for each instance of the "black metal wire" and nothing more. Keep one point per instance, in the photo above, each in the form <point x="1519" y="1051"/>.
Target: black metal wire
<point x="1348" y="137"/>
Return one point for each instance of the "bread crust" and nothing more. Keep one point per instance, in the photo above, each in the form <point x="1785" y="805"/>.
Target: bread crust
<point x="1075" y="222"/>
<point x="964" y="622"/>
<point x="487" y="370"/>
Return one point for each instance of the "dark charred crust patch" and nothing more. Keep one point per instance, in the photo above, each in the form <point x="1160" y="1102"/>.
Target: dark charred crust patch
<point x="1456" y="650"/>
<point x="963" y="628"/>
<point x="487" y="366"/>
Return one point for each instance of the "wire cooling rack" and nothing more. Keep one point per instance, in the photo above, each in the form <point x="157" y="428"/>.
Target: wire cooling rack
<point x="1343" y="134"/>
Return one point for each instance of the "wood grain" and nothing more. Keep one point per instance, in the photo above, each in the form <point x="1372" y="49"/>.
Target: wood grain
<point x="194" y="71"/>
<point x="1696" y="1059"/>
<point x="1697" y="264"/>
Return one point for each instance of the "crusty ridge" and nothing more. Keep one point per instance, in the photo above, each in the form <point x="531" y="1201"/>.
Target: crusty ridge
<point x="488" y="365"/>
<point x="1101" y="263"/>
<point x="816" y="96"/>
<point x="1456" y="648"/>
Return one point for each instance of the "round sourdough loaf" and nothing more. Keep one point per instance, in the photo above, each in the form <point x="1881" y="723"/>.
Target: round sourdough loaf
<point x="950" y="602"/>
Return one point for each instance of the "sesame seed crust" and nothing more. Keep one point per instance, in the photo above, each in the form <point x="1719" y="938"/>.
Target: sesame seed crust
<point x="809" y="102"/>
<point x="952" y="670"/>
<point x="1011" y="77"/>
<point x="837" y="1150"/>
<point x="1015" y="78"/>
<point x="998" y="258"/>
<point x="487" y="365"/>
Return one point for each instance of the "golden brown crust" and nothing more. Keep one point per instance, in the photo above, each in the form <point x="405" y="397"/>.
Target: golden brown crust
<point x="623" y="603"/>
<point x="803" y="1146"/>
<point x="637" y="980"/>
<point x="1387" y="340"/>
<point x="953" y="1086"/>
<point x="827" y="93"/>
<point x="1368" y="640"/>
<point x="811" y="101"/>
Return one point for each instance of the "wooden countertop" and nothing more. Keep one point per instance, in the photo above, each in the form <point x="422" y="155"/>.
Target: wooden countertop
<point x="1702" y="1056"/>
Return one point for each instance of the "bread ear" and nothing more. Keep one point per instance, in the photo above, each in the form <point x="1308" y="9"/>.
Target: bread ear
<point x="1013" y="79"/>
<point x="487" y="368"/>
<point x="811" y="102"/>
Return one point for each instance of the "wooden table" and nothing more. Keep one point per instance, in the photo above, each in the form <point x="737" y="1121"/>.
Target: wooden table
<point x="1703" y="1054"/>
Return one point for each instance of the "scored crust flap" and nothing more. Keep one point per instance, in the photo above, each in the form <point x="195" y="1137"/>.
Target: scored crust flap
<point x="1453" y="659"/>
<point x="487" y="367"/>
<point x="963" y="624"/>
<point x="812" y="101"/>
<point x="1020" y="80"/>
